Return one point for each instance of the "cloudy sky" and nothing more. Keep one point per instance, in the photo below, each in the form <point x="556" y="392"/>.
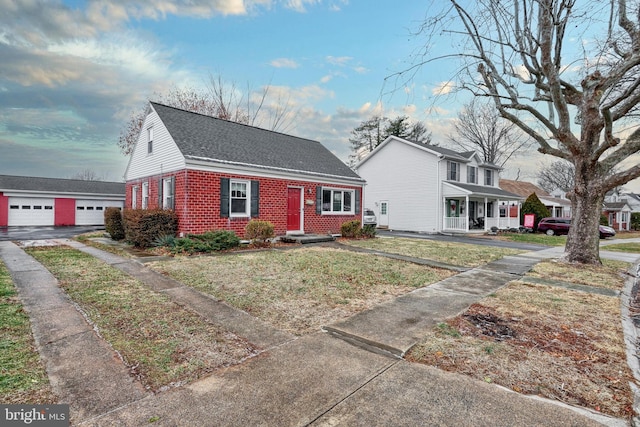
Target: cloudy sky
<point x="73" y="71"/>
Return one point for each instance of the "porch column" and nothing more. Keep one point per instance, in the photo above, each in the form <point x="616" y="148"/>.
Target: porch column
<point x="444" y="213"/>
<point x="486" y="214"/>
<point x="466" y="204"/>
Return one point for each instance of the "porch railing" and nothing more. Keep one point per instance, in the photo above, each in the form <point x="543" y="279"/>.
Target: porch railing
<point x="502" y="222"/>
<point x="455" y="223"/>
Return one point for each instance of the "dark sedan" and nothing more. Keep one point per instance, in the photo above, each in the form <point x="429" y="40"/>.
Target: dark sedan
<point x="558" y="226"/>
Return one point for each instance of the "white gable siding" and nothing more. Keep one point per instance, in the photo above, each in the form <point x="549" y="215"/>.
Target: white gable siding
<point x="166" y="156"/>
<point x="407" y="178"/>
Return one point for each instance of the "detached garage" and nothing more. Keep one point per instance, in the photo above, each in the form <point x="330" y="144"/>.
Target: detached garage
<point x="33" y="201"/>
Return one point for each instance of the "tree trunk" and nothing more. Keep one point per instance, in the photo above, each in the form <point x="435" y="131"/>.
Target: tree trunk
<point x="583" y="241"/>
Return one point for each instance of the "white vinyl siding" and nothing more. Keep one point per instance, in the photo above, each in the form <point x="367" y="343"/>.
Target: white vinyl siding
<point x="411" y="191"/>
<point x="166" y="155"/>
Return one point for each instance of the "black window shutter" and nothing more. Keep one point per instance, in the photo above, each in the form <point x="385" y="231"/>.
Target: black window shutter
<point x="255" y="198"/>
<point x="319" y="200"/>
<point x="357" y="202"/>
<point x="224" y="197"/>
<point x="160" y="194"/>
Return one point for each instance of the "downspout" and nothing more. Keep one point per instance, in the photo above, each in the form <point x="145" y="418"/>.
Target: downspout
<point x="439" y="206"/>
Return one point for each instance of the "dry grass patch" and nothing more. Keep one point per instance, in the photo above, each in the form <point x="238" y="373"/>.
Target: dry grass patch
<point x="161" y="342"/>
<point x="460" y="254"/>
<point x="608" y="275"/>
<point x="300" y="290"/>
<point x="23" y="378"/>
<point x="536" y="339"/>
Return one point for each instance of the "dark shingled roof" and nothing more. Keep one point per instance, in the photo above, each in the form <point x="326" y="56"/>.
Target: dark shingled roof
<point x="201" y="137"/>
<point x="58" y="185"/>
<point x="486" y="190"/>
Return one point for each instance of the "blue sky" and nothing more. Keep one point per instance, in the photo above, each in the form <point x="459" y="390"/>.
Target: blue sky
<point x="73" y="71"/>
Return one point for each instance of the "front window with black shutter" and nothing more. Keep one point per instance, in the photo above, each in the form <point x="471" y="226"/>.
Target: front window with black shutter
<point x="239" y="198"/>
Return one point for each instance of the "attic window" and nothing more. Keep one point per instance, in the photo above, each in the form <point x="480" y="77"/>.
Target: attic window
<point x="150" y="140"/>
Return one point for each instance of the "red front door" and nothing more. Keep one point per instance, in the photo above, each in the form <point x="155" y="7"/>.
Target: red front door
<point x="293" y="209"/>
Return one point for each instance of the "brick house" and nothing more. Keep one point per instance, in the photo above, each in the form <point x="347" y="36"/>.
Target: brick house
<point x="218" y="175"/>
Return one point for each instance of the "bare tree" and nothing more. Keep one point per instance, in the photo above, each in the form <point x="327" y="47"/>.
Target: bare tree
<point x="372" y="132"/>
<point x="481" y="128"/>
<point x="558" y="175"/>
<point x="87" y="175"/>
<point x="575" y="99"/>
<point x="221" y="100"/>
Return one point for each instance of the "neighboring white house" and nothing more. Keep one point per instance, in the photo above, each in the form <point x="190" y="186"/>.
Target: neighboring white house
<point x="420" y="187"/>
<point x="556" y="201"/>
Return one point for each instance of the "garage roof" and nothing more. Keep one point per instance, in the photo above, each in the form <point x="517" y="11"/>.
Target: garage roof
<point x="60" y="186"/>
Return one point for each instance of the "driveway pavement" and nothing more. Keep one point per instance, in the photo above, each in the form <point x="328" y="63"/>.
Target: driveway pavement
<point x="350" y="374"/>
<point x="42" y="233"/>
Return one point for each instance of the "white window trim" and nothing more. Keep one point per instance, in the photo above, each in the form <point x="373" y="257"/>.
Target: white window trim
<point x="150" y="140"/>
<point x="449" y="169"/>
<point x="134" y="197"/>
<point x="247" y="212"/>
<point x="343" y="190"/>
<point x="475" y="180"/>
<point x="145" y="195"/>
<point x="167" y="193"/>
<point x="489" y="172"/>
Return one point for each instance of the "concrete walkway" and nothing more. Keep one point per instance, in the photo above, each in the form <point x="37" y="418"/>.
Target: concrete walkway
<point x="313" y="380"/>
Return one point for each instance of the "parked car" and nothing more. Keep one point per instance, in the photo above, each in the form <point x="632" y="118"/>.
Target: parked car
<point x="369" y="218"/>
<point x="558" y="226"/>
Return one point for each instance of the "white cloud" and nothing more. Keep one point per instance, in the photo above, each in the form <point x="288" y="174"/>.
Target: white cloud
<point x="338" y="60"/>
<point x="300" y="5"/>
<point x="326" y="79"/>
<point x="443" y="88"/>
<point x="284" y="63"/>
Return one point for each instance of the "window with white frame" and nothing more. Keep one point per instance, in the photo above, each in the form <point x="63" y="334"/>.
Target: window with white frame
<point x="337" y="201"/>
<point x="167" y="193"/>
<point x="150" y="140"/>
<point x="134" y="197"/>
<point x="488" y="177"/>
<point x="145" y="195"/>
<point x="240" y="198"/>
<point x="472" y="174"/>
<point x="453" y="171"/>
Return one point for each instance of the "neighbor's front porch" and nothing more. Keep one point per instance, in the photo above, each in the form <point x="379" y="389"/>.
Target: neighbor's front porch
<point x="469" y="212"/>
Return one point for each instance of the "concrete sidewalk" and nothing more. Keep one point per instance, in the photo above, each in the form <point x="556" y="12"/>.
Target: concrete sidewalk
<point x="313" y="380"/>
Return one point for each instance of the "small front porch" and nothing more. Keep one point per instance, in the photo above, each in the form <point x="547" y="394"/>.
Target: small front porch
<point x="467" y="210"/>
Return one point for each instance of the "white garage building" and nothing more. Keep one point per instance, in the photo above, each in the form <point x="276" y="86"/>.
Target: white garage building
<point x="33" y="201"/>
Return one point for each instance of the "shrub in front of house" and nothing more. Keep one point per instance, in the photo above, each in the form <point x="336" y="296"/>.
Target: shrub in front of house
<point x="211" y="241"/>
<point x="635" y="221"/>
<point x="259" y="232"/>
<point x="143" y="226"/>
<point x="369" y="231"/>
<point x="351" y="229"/>
<point x="113" y="223"/>
<point x="533" y="205"/>
<point x="604" y="220"/>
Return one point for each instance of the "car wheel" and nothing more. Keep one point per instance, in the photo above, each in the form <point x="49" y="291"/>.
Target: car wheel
<point x="550" y="233"/>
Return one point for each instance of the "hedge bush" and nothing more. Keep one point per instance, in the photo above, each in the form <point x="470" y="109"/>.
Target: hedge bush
<point x="143" y="226"/>
<point x="635" y="220"/>
<point x="351" y="229"/>
<point x="533" y="205"/>
<point x="259" y="232"/>
<point x="113" y="223"/>
<point x="203" y="243"/>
